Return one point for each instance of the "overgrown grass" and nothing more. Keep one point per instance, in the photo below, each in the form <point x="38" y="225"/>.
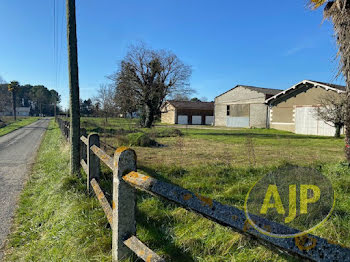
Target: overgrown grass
<point x="206" y="241"/>
<point x="94" y="124"/>
<point x="12" y="125"/>
<point x="218" y="164"/>
<point x="56" y="221"/>
<point x="9" y="119"/>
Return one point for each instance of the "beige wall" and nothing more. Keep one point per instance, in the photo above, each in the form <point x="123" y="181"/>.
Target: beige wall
<point x="282" y="116"/>
<point x="282" y="126"/>
<point x="258" y="115"/>
<point x="168" y="114"/>
<point x="220" y="114"/>
<point x="241" y="95"/>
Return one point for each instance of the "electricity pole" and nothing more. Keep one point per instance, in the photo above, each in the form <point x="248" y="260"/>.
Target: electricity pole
<point x="74" y="133"/>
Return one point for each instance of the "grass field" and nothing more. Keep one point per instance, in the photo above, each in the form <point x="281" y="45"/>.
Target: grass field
<point x="57" y="222"/>
<point x="12" y="125"/>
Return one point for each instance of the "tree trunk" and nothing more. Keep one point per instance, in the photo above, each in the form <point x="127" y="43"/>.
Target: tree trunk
<point x="347" y="125"/>
<point x="143" y="116"/>
<point x="337" y="130"/>
<point x="74" y="103"/>
<point x="14" y="104"/>
<point x="149" y="116"/>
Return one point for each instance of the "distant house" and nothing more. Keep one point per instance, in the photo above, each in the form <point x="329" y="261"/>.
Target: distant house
<point x="294" y="109"/>
<point x="20" y="111"/>
<point x="23" y="111"/>
<point x="187" y="112"/>
<point x="243" y="106"/>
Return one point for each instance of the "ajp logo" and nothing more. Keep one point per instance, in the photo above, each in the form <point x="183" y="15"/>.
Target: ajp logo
<point x="299" y="198"/>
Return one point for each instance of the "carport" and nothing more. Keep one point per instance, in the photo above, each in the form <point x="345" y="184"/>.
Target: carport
<point x="187" y="112"/>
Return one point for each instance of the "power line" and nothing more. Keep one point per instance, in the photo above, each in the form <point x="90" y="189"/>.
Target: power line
<point x="61" y="35"/>
<point x="54" y="39"/>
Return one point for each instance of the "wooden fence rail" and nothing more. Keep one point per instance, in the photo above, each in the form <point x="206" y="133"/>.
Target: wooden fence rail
<point x="121" y="215"/>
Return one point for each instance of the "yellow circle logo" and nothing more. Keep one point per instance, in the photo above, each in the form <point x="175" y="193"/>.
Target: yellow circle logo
<point x="289" y="202"/>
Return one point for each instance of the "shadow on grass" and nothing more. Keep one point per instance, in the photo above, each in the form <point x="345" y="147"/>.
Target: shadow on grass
<point x="268" y="136"/>
<point x="175" y="172"/>
<point x="156" y="229"/>
<point x="160" y="239"/>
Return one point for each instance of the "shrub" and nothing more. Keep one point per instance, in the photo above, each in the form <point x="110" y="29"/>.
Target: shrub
<point x="122" y="140"/>
<point x="169" y="132"/>
<point x="136" y="139"/>
<point x="140" y="139"/>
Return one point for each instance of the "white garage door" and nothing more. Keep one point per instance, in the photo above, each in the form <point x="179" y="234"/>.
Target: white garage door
<point x="209" y="120"/>
<point x="306" y="123"/>
<point x="237" y="121"/>
<point x="196" y="120"/>
<point x="182" y="120"/>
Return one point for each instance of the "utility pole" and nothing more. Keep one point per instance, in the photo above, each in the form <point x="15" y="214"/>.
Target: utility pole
<point x="74" y="107"/>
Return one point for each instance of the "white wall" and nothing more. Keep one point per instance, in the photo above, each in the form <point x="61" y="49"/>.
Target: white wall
<point x="241" y="95"/>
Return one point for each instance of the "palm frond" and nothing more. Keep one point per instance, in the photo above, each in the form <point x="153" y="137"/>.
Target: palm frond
<point x="317" y="3"/>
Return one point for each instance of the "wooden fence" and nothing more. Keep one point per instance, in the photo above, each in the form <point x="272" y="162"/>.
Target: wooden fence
<point x="64" y="126"/>
<point x="121" y="212"/>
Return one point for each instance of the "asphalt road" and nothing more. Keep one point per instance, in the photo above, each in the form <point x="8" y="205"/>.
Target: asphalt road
<point x="17" y="153"/>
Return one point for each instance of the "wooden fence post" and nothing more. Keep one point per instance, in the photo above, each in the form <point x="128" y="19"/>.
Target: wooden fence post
<point x="66" y="132"/>
<point x="83" y="147"/>
<point x="124" y="224"/>
<point x="93" y="162"/>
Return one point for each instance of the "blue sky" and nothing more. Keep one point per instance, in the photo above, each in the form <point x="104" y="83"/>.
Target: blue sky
<point x="272" y="44"/>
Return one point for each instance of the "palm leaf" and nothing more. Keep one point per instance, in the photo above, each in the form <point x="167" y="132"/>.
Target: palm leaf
<point x="317" y="3"/>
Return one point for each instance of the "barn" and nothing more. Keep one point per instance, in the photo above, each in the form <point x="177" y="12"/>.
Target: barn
<point x="294" y="109"/>
<point x="243" y="106"/>
<point x="187" y="112"/>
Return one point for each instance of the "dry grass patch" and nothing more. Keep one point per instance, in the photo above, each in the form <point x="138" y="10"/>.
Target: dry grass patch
<point x="188" y="151"/>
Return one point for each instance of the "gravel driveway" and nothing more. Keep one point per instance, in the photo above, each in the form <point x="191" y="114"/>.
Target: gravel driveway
<point x="17" y="153"/>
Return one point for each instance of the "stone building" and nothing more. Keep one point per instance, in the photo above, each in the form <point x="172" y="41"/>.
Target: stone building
<point x="187" y="112"/>
<point x="294" y="109"/>
<point x="243" y="106"/>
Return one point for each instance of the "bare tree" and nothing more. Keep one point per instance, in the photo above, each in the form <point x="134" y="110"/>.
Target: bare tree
<point x="55" y="99"/>
<point x="338" y="11"/>
<point x="180" y="97"/>
<point x="105" y="100"/>
<point x="332" y="110"/>
<point x="125" y="99"/>
<point x="151" y="76"/>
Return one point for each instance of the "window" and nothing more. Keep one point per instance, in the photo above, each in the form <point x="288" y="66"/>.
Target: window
<point x="240" y="110"/>
<point x="228" y="110"/>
